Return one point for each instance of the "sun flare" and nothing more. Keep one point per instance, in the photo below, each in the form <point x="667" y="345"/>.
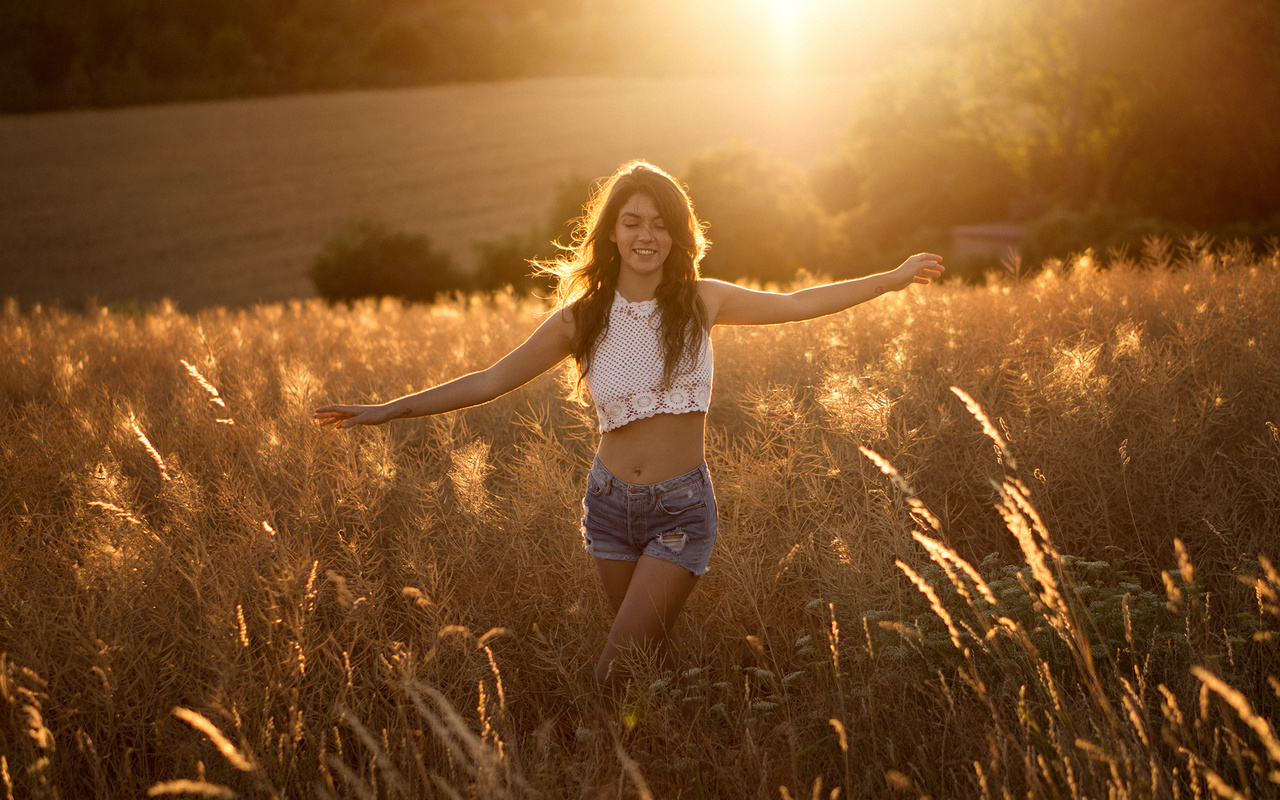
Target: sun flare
<point x="798" y="35"/>
<point x="787" y="23"/>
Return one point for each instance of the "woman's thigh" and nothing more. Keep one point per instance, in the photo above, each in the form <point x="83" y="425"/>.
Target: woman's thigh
<point x="654" y="598"/>
<point x="616" y="578"/>
<point x="655" y="595"/>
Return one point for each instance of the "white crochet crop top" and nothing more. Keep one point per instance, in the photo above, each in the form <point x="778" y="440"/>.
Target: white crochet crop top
<point x="625" y="373"/>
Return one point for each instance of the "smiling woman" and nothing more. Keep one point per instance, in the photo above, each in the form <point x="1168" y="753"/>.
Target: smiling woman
<point x="642" y="237"/>
<point x="634" y="317"/>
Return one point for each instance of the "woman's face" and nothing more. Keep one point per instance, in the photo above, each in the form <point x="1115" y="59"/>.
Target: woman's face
<point x="641" y="235"/>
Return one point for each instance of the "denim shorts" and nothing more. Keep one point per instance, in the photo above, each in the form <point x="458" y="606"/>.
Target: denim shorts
<point x="674" y="520"/>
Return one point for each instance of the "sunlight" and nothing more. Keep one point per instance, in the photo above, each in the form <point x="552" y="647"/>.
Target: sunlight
<point x="787" y="15"/>
<point x="788" y="23"/>
<point x="804" y="34"/>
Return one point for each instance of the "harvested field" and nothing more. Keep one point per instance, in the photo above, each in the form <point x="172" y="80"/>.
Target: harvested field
<point x="226" y="203"/>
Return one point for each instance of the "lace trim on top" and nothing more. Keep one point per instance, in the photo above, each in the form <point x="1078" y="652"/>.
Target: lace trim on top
<point x="625" y="376"/>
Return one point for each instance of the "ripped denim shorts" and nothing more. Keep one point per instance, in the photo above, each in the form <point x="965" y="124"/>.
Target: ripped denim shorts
<point x="674" y="520"/>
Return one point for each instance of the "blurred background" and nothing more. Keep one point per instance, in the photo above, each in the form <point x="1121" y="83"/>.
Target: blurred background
<point x="236" y="151"/>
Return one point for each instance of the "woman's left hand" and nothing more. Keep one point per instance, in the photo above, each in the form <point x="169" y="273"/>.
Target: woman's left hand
<point x="920" y="268"/>
<point x="350" y="416"/>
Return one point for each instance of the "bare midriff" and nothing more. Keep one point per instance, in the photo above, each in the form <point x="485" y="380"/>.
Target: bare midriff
<point x="655" y="449"/>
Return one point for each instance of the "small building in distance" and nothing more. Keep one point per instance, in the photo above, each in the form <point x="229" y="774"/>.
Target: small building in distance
<point x="999" y="240"/>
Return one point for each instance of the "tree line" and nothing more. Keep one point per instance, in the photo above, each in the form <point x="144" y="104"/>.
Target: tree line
<point x="71" y="53"/>
<point x="1096" y="122"/>
<point x="61" y="53"/>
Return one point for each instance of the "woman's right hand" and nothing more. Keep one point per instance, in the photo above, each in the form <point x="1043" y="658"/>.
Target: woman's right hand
<point x="351" y="416"/>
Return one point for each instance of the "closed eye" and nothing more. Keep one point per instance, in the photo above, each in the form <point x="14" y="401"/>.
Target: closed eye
<point x="631" y="221"/>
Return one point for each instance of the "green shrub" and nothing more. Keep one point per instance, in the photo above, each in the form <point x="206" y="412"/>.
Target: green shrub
<point x="764" y="221"/>
<point x="507" y="261"/>
<point x="1061" y="233"/>
<point x="365" y="258"/>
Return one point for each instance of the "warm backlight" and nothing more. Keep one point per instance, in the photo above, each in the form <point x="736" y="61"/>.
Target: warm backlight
<point x="799" y="35"/>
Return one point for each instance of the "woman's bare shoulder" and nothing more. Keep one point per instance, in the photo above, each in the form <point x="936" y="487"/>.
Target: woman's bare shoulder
<point x="713" y="289"/>
<point x="561" y="321"/>
<point x="564" y="314"/>
<point x="713" y="293"/>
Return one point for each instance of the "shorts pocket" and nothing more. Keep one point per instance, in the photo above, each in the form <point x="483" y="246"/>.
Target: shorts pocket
<point x="689" y="497"/>
<point x="595" y="486"/>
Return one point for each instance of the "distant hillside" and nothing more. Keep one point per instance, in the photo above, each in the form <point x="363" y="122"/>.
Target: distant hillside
<point x="228" y="202"/>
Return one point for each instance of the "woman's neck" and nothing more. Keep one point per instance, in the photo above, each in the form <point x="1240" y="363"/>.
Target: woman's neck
<point x="638" y="288"/>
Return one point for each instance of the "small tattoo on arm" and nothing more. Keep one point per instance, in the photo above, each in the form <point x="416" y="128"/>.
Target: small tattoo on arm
<point x="880" y="290"/>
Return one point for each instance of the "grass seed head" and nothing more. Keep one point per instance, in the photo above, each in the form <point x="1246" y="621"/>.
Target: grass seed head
<point x="225" y="747"/>
<point x="988" y="428"/>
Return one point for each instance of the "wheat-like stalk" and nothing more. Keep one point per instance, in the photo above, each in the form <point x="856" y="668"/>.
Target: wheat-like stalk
<point x="987" y="427"/>
<point x="633" y="772"/>
<point x="934" y="602"/>
<point x="224" y="745"/>
<point x="888" y="469"/>
<point x="188" y="787"/>
<point x="146" y="444"/>
<point x="117" y="511"/>
<point x="214" y="397"/>
<point x="945" y="557"/>
<point x="1243" y="708"/>
<point x="4" y="776"/>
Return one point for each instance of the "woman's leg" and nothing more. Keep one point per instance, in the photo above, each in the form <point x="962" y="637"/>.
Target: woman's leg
<point x="616" y="577"/>
<point x="651" y="598"/>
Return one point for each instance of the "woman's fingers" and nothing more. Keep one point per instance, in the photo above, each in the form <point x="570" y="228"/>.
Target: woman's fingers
<point x="349" y="416"/>
<point x="334" y="415"/>
<point x="927" y="267"/>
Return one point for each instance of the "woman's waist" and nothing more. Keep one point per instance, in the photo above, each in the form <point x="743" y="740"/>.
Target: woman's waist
<point x="654" y="449"/>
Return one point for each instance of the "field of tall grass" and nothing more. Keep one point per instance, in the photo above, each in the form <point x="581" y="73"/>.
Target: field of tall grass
<point x="1054" y="580"/>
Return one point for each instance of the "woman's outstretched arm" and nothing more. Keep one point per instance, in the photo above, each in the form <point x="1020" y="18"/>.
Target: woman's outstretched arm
<point x="730" y="304"/>
<point x="548" y="346"/>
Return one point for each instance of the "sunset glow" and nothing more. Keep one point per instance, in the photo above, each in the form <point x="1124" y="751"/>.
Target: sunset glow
<point x="800" y="35"/>
<point x="789" y="17"/>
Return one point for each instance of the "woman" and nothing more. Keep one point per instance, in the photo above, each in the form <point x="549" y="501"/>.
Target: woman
<point x="636" y="318"/>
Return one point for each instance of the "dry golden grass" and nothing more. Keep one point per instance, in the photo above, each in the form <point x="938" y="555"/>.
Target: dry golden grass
<point x="227" y="203"/>
<point x="202" y="597"/>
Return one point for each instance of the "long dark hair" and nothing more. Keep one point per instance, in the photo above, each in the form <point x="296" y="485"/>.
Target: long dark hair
<point x="588" y="271"/>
